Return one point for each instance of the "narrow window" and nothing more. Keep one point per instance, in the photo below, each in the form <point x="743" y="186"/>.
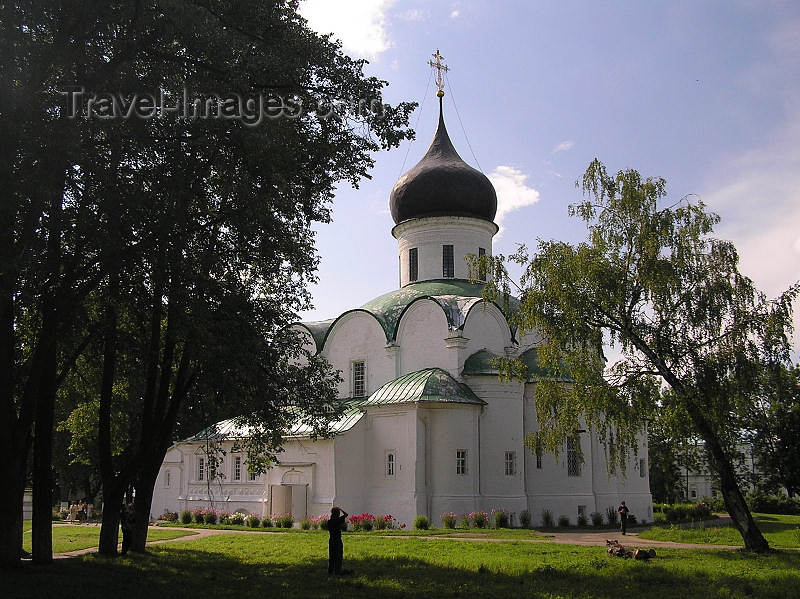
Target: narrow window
<point x="511" y="463"/>
<point x="167" y="478"/>
<point x="461" y="461"/>
<point x="252" y="476"/>
<point x="359" y="382"/>
<point x="573" y="461"/>
<point x="389" y="463"/>
<point x="201" y="469"/>
<point x="482" y="269"/>
<point x="448" y="268"/>
<point x="237" y="468"/>
<point x="642" y="468"/>
<point x="538" y="461"/>
<point x="413" y="264"/>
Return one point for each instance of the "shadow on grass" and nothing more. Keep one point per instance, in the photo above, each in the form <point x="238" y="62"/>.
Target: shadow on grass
<point x="178" y="573"/>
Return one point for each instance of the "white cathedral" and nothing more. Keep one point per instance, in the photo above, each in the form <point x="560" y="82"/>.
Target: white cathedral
<point x="430" y="427"/>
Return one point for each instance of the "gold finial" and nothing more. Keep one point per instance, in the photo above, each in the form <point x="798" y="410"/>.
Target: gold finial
<point x="439" y="66"/>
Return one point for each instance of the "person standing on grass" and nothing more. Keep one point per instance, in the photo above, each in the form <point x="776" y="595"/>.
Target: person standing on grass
<point x="335" y="547"/>
<point x="623" y="510"/>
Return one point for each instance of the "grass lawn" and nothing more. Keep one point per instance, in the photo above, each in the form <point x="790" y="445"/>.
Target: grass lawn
<point x="780" y="532"/>
<point x="294" y="566"/>
<point x="72" y="537"/>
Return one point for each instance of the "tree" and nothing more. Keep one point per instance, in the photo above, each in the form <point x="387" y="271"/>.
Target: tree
<point x="670" y="298"/>
<point x="774" y="428"/>
<point x="119" y="200"/>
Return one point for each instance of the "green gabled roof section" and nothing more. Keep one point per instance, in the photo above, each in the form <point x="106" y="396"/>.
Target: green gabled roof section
<point x="432" y="385"/>
<point x="480" y="364"/>
<point x="535" y="370"/>
<point x="456" y="297"/>
<point x="232" y="428"/>
<point x="318" y="330"/>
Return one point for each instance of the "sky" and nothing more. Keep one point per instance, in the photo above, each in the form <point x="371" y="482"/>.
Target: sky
<point x="703" y="93"/>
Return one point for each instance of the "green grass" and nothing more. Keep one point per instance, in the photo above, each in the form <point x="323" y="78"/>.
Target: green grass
<point x="780" y="531"/>
<point x="294" y="566"/>
<point x="73" y="537"/>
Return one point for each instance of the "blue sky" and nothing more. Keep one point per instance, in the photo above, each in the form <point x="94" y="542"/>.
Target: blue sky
<point x="705" y="94"/>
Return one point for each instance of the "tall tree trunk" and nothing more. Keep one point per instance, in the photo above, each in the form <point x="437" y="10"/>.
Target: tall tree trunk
<point x="113" y="494"/>
<point x="145" y="484"/>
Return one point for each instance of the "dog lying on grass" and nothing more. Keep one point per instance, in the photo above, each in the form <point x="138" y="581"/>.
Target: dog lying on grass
<point x="615" y="549"/>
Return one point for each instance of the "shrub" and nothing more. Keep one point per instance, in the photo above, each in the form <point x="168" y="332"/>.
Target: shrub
<point x="421" y="522"/>
<point x="305" y="524"/>
<point x="210" y="517"/>
<point x="582" y="519"/>
<point x="547" y="519"/>
<point x="186" y="517"/>
<point x="449" y="520"/>
<point x="253" y="520"/>
<point x="611" y="515"/>
<point x="198" y="515"/>
<point x="283" y="521"/>
<point x="266" y="522"/>
<point x="596" y="518"/>
<point x="479" y="519"/>
<point x="237" y="519"/>
<point x="563" y="521"/>
<point x="169" y="516"/>
<point x="500" y="518"/>
<point x="525" y="518"/>
<point x="224" y="517"/>
<point x="773" y="504"/>
<point x="385" y="521"/>
<point x="465" y="521"/>
<point x="362" y="522"/>
<point x="323" y="521"/>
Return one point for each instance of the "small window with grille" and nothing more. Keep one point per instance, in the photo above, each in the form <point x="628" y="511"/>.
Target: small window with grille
<point x="448" y="264"/>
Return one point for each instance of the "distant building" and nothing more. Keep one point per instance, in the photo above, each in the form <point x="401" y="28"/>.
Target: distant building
<point x="430" y="428"/>
<point x="700" y="481"/>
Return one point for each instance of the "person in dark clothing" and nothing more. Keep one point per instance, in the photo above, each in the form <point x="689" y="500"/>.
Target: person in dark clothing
<point x="335" y="547"/>
<point x="623" y="510"/>
<point x="127" y="519"/>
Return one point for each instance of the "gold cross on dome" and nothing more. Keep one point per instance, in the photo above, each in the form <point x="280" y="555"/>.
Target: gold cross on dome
<point x="439" y="66"/>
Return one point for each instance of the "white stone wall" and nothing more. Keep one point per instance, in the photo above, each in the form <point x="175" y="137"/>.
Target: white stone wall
<point x="428" y="235"/>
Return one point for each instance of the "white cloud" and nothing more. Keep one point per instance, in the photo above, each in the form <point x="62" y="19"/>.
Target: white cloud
<point x="359" y="24"/>
<point x="563" y="146"/>
<point x="512" y="191"/>
<point x="454" y="14"/>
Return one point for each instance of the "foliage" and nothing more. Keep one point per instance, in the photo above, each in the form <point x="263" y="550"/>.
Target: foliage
<point x="656" y="285"/>
<point x="210" y="517"/>
<point x="525" y="518"/>
<point x="611" y="515"/>
<point x="548" y="521"/>
<point x="563" y="520"/>
<point x="305" y="523"/>
<point x="283" y="520"/>
<point x="774" y="428"/>
<point x="363" y="522"/>
<point x="421" y="522"/>
<point x="159" y="258"/>
<point x="237" y="519"/>
<point x="253" y="520"/>
<point x="266" y="522"/>
<point x="385" y="522"/>
<point x="596" y="518"/>
<point x="583" y="520"/>
<point x="186" y="516"/>
<point x="479" y="519"/>
<point x="681" y="512"/>
<point x="776" y="503"/>
<point x="499" y="519"/>
<point x="449" y="520"/>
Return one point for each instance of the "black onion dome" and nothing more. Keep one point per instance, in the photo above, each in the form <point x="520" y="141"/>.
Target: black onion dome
<point x="442" y="184"/>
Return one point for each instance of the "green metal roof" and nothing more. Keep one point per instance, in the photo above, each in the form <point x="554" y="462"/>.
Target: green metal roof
<point x="480" y="363"/>
<point x="456" y="297"/>
<point x="429" y="385"/>
<point x="535" y="370"/>
<point x="231" y="429"/>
